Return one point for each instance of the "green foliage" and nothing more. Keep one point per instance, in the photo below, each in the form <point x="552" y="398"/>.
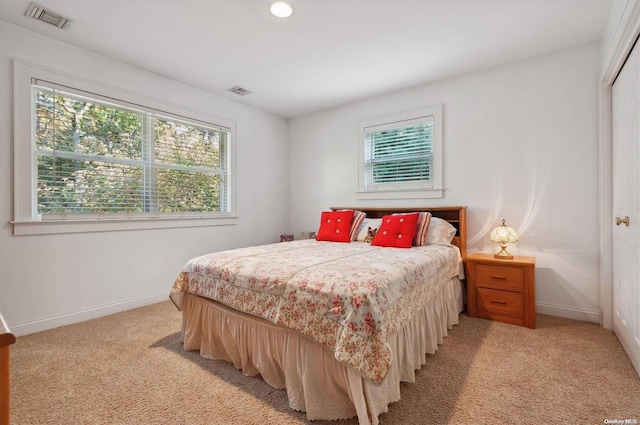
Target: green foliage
<point x="96" y="158"/>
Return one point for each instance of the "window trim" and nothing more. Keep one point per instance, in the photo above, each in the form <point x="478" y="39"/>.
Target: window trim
<point x="403" y="191"/>
<point x="26" y="220"/>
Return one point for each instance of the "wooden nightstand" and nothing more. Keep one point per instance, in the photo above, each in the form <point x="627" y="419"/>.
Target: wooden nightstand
<point x="502" y="290"/>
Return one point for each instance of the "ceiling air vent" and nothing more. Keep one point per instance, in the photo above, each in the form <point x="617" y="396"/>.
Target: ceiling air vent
<point x="43" y="14"/>
<point x="240" y="91"/>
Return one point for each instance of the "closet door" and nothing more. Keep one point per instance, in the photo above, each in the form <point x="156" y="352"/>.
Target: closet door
<point x="626" y="207"/>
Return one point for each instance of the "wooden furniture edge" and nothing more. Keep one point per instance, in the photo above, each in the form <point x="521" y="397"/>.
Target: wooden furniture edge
<point x="528" y="266"/>
<point x="483" y="257"/>
<point x="456" y="215"/>
<point x="6" y="339"/>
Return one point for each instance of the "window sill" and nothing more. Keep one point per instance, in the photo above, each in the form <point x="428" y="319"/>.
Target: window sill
<point x="48" y="227"/>
<point x="402" y="194"/>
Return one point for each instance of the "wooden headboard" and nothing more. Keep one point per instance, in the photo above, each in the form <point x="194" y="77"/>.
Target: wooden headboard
<point x="457" y="216"/>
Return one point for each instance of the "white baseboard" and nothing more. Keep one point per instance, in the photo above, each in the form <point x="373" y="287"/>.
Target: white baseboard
<point x="105" y="310"/>
<point x="88" y="314"/>
<point x="569" y="313"/>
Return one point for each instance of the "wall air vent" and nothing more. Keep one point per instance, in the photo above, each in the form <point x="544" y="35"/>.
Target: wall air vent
<point x="43" y="14"/>
<point x="240" y="91"/>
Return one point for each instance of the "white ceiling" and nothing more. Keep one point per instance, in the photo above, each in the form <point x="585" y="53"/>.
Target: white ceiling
<point x="330" y="52"/>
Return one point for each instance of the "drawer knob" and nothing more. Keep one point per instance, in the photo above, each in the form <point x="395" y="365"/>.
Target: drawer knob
<point x="498" y="277"/>
<point x="498" y="302"/>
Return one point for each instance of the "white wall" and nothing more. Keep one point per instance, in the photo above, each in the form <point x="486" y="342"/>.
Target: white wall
<point x="520" y="143"/>
<point x="51" y="280"/>
<point x="539" y="114"/>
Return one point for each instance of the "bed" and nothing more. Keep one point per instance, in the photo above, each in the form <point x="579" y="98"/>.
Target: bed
<point x="338" y="325"/>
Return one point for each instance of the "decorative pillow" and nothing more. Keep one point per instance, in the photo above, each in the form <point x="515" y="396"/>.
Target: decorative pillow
<point x="358" y="218"/>
<point x="424" y="218"/>
<point x="374" y="223"/>
<point x="335" y="226"/>
<point x="396" y="231"/>
<point x="440" y="231"/>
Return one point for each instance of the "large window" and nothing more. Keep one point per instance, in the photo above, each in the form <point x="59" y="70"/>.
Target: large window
<point x="100" y="158"/>
<point x="401" y="155"/>
<point x="89" y="157"/>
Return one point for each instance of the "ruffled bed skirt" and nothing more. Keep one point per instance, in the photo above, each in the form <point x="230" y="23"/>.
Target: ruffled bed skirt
<point x="316" y="383"/>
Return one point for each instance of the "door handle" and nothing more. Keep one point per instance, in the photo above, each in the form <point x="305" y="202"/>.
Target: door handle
<point x="624" y="221"/>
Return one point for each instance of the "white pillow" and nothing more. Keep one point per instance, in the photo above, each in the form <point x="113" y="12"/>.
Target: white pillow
<point x="440" y="231"/>
<point x="364" y="227"/>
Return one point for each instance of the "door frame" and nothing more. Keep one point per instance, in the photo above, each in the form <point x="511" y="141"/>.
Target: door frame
<point x="616" y="54"/>
<point x="623" y="41"/>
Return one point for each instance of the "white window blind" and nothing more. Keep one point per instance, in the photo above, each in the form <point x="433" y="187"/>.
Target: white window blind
<point x="104" y="157"/>
<point x="399" y="154"/>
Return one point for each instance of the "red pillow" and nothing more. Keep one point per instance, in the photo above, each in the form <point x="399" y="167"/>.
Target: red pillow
<point x="335" y="226"/>
<point x="424" y="219"/>
<point x="358" y="218"/>
<point x="396" y="231"/>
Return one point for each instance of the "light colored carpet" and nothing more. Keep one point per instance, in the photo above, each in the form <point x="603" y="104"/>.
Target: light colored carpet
<point x="129" y="368"/>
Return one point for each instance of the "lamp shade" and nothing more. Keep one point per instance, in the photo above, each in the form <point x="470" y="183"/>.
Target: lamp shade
<point x="503" y="234"/>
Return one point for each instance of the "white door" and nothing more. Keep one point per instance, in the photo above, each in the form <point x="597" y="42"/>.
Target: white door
<point x="626" y="207"/>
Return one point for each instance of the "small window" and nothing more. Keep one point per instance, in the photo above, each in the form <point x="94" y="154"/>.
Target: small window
<point x="401" y="155"/>
<point x="99" y="158"/>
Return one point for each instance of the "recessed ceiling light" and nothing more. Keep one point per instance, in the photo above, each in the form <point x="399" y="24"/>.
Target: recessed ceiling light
<point x="281" y="9"/>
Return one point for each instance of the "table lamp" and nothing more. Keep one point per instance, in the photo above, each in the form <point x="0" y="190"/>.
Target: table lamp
<point x="502" y="235"/>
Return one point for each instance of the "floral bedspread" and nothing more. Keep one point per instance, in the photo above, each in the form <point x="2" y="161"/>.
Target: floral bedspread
<point x="347" y="296"/>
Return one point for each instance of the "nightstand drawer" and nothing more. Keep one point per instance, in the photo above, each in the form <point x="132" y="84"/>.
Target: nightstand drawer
<point x="502" y="289"/>
<point x="499" y="277"/>
<point x="499" y="302"/>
